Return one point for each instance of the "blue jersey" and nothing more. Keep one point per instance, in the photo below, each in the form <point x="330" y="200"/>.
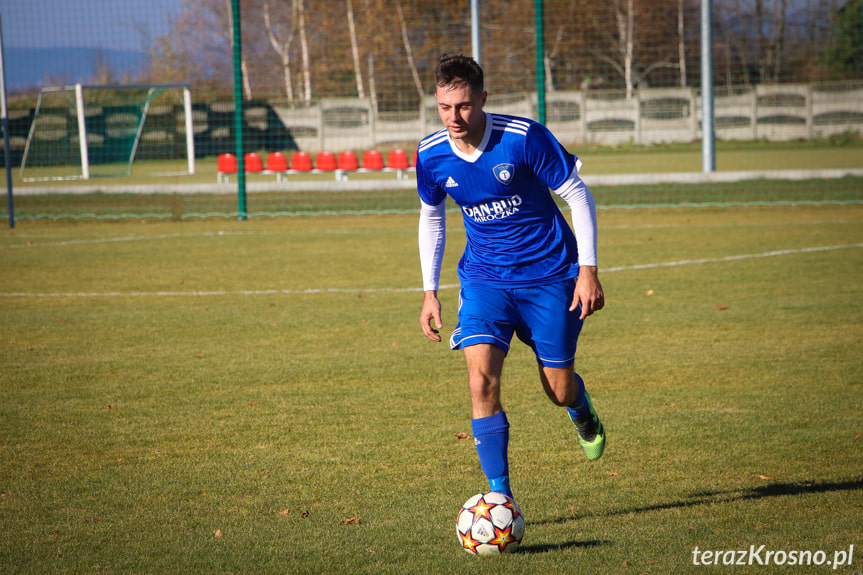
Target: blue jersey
<point x="516" y="235"/>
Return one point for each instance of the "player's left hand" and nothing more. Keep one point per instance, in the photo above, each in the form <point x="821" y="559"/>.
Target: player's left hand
<point x="588" y="292"/>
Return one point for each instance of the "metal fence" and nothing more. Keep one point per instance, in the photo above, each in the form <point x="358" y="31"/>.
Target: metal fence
<point x="357" y="74"/>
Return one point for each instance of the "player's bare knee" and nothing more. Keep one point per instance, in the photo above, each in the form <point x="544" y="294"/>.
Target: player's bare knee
<point x="560" y="397"/>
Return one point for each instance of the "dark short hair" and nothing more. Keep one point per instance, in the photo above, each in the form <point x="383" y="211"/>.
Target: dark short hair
<point x="455" y="68"/>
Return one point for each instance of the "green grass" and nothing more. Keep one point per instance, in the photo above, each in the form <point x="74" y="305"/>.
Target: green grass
<point x="837" y="153"/>
<point x="106" y="198"/>
<point x="101" y="205"/>
<point x="733" y="156"/>
<point x="164" y="381"/>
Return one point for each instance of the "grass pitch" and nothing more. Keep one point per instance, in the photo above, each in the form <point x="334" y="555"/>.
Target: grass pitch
<point x="257" y="397"/>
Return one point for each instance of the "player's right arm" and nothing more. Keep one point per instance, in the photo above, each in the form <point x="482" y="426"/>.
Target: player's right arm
<point x="432" y="241"/>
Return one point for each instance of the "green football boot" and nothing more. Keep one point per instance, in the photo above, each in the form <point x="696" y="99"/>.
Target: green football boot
<point x="591" y="433"/>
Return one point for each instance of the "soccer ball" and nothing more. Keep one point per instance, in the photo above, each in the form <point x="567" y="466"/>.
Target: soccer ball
<point x="490" y="523"/>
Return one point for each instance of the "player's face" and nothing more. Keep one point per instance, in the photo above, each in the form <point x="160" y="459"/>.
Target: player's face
<point x="460" y="110"/>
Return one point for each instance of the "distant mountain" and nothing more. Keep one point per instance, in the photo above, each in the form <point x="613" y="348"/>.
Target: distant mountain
<point x="28" y="68"/>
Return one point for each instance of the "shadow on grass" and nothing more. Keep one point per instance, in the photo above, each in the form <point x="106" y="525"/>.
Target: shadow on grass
<point x="709" y="497"/>
<point x="546" y="547"/>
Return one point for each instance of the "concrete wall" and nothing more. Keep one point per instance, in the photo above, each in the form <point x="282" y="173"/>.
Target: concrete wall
<point x="653" y="115"/>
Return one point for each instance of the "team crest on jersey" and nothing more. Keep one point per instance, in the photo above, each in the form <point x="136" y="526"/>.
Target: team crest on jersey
<point x="504" y="173"/>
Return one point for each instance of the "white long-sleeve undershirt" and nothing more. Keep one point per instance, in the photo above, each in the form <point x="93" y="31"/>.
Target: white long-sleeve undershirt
<point x="583" y="214"/>
<point x="432" y="229"/>
<point x="432" y="241"/>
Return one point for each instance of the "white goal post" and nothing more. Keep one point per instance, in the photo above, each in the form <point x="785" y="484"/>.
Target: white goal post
<point x="59" y="135"/>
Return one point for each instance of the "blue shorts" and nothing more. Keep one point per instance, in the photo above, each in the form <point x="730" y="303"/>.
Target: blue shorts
<point x="539" y="316"/>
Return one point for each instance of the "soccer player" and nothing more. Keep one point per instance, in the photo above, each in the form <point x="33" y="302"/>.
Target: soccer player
<point x="522" y="271"/>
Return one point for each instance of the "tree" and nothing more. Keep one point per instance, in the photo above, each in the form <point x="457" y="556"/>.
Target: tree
<point x="843" y="58"/>
<point x="770" y="28"/>
<point x="104" y="74"/>
<point x="304" y="47"/>
<point x="681" y="42"/>
<point x="635" y="52"/>
<point x="355" y="49"/>
<point x="408" y="50"/>
<point x="244" y="67"/>
<point x="388" y="48"/>
<point x="282" y="42"/>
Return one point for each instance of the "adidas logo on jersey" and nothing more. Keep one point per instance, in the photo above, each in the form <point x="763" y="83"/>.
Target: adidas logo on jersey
<point x="451" y="183"/>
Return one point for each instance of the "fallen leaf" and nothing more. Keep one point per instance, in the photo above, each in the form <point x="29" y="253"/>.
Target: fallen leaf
<point x="765" y="476"/>
<point x="352" y="521"/>
<point x="626" y="562"/>
<point x="722" y="307"/>
<point x="613" y="474"/>
<point x="285" y="512"/>
<point x="181" y="282"/>
<point x="63" y="320"/>
<point x="218" y="532"/>
<point x="304" y="514"/>
<point x="107" y="407"/>
<point x="461" y="435"/>
<point x="650" y="292"/>
<point x="858" y="436"/>
<point x="91" y="519"/>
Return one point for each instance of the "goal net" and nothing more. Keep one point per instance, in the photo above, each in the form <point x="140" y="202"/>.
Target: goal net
<point x="80" y="132"/>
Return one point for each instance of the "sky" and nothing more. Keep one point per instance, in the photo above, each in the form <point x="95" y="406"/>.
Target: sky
<point x="110" y="24"/>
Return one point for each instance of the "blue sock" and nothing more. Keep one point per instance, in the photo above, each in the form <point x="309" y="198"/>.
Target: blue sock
<point x="579" y="407"/>
<point x="491" y="436"/>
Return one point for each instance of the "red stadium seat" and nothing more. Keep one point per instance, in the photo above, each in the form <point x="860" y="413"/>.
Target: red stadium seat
<point x="373" y="160"/>
<point x="226" y="164"/>
<point x="277" y="162"/>
<point x="301" y="162"/>
<point x="326" y="162"/>
<point x="348" y="161"/>
<point x="397" y="160"/>
<point x="254" y="162"/>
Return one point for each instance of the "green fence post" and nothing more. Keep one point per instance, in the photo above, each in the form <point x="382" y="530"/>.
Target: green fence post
<point x="5" y="119"/>
<point x="540" y="62"/>
<point x="238" y="110"/>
